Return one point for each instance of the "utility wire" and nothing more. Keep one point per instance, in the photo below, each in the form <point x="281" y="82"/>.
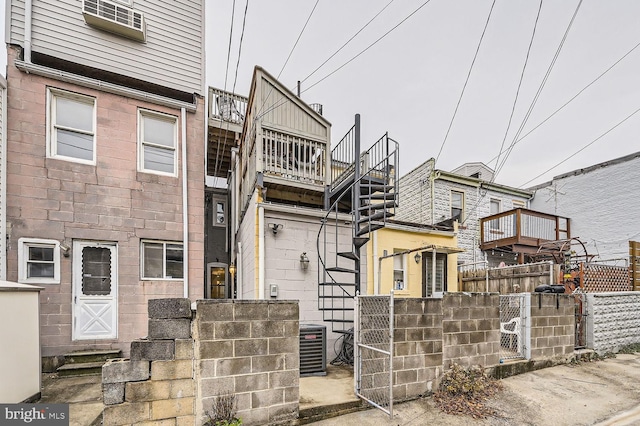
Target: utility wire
<point x="350" y="60"/>
<point x="235" y="79"/>
<point x="575" y="96"/>
<point x="537" y="96"/>
<point x="288" y="57"/>
<point x="347" y="42"/>
<point x="455" y="112"/>
<point x="515" y="101"/>
<point x="226" y="74"/>
<point x="581" y="149"/>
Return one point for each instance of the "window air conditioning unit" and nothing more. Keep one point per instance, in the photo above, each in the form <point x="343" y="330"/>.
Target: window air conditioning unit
<point x="114" y="17"/>
<point x="313" y="350"/>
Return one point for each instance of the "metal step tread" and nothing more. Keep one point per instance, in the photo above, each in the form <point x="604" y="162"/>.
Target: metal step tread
<point x="341" y="269"/>
<point x="348" y="255"/>
<point x="366" y="230"/>
<point x="380" y="215"/>
<point x="360" y="241"/>
<point x="379" y="196"/>
<point x="378" y="206"/>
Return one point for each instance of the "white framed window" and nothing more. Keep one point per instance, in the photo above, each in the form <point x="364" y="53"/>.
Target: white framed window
<point x="219" y="212"/>
<point x="457" y="205"/>
<point x="157" y="143"/>
<point x="494" y="207"/>
<point x="161" y="260"/>
<point x="71" y="124"/>
<point x="38" y="261"/>
<point x="399" y="279"/>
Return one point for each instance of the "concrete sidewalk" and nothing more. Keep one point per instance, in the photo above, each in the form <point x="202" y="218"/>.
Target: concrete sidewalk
<point x="606" y="393"/>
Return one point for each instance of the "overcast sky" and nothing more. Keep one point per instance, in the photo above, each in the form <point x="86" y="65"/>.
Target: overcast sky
<point x="410" y="82"/>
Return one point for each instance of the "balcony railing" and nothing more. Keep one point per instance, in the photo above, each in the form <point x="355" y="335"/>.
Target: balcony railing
<point x="293" y="158"/>
<point x="522" y="227"/>
<point x="227" y="106"/>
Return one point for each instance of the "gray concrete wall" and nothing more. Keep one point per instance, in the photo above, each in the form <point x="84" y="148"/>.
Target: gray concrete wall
<point x="250" y="349"/>
<point x="613" y="320"/>
<point x="552" y="325"/>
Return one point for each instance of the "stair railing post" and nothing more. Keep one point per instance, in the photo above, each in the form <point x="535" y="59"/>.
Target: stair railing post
<point x="356" y="198"/>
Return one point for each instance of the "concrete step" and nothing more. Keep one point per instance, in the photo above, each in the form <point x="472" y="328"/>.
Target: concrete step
<point x="80" y="357"/>
<point x="80" y="369"/>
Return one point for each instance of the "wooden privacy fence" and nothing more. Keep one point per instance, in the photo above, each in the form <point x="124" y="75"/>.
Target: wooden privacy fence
<point x="509" y="279"/>
<point x="634" y="262"/>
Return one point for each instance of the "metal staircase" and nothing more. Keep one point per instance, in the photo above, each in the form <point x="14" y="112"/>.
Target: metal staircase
<point x="365" y="187"/>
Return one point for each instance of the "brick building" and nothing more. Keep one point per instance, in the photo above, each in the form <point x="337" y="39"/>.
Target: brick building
<point x="105" y="170"/>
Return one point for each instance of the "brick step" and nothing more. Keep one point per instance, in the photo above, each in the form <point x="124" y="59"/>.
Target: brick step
<point x="80" y="369"/>
<point x="81" y="357"/>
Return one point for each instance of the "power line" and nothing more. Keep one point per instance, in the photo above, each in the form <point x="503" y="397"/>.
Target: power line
<point x="576" y="95"/>
<point x="350" y="60"/>
<point x="368" y="47"/>
<point x="289" y="57"/>
<point x="582" y="149"/>
<point x="515" y="101"/>
<point x="226" y="74"/>
<point x="537" y="96"/>
<point x="235" y="79"/>
<point x="455" y="112"/>
<point x="347" y="42"/>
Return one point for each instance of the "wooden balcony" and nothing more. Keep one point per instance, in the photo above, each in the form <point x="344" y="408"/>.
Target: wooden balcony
<point x="227" y="112"/>
<point x="522" y="231"/>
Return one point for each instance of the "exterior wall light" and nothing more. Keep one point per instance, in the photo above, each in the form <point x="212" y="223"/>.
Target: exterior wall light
<point x="304" y="261"/>
<point x="232" y="269"/>
<point x="417" y="257"/>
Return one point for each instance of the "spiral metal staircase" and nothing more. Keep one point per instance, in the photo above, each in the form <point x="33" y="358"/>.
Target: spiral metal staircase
<point x="365" y="186"/>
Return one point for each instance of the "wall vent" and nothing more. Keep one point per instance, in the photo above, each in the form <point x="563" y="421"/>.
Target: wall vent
<point x="114" y="17"/>
<point x="313" y="350"/>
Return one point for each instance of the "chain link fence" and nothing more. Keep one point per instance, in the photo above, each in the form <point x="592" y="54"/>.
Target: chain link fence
<point x="512" y="326"/>
<point x="374" y="346"/>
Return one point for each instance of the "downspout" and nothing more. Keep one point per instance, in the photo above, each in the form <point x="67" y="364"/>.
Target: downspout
<point x="185" y="211"/>
<point x="240" y="289"/>
<point x="3" y="182"/>
<point x="28" y="5"/>
<point x="376" y="265"/>
<point x="261" y="253"/>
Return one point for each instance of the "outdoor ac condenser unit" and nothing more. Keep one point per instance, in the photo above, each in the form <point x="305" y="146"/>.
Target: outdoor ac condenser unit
<point x="313" y="350"/>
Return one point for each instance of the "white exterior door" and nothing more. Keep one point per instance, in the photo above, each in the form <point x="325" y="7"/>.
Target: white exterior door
<point x="95" y="290"/>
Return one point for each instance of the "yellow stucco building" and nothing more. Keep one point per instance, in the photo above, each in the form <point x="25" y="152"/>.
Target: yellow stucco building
<point x="414" y="260"/>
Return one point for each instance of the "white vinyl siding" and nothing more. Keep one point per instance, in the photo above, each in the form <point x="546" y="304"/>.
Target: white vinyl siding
<point x="174" y="41"/>
<point x="158" y="142"/>
<point x="71" y="123"/>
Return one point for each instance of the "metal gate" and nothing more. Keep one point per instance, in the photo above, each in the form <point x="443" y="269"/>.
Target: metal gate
<point x="515" y="326"/>
<point x="373" y="366"/>
<point x="581" y="313"/>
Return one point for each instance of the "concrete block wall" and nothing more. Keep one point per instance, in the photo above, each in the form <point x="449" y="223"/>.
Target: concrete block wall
<point x="612" y="320"/>
<point x="110" y="201"/>
<point x="552" y="325"/>
<point x="250" y="349"/>
<point x="157" y="385"/>
<point x="417" y="352"/>
<point x="415" y="194"/>
<point x="471" y="329"/>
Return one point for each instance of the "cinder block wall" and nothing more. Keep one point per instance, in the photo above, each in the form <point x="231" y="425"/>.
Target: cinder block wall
<point x="417" y="351"/>
<point x="156" y="386"/>
<point x="552" y="325"/>
<point x="471" y="329"/>
<point x="250" y="349"/>
<point x="613" y="320"/>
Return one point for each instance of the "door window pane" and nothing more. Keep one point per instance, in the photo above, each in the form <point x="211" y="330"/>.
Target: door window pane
<point x="96" y="271"/>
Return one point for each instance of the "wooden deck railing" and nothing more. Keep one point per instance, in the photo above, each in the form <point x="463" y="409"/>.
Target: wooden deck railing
<point x="522" y="227"/>
<point x="227" y="106"/>
<point x="293" y="158"/>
